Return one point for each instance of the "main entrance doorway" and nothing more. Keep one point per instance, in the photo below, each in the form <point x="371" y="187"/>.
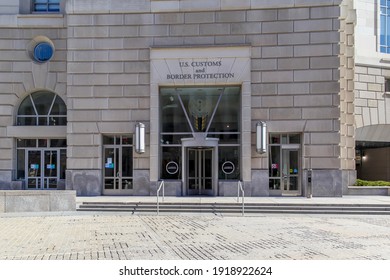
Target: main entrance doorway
<point x="200" y="171"/>
<point x="43" y="168"/>
<point x="285" y="165"/>
<point x="200" y="134"/>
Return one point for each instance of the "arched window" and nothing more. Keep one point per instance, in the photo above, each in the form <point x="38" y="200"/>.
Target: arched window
<point x="42" y="108"/>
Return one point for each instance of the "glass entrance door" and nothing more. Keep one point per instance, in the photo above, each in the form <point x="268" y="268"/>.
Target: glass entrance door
<point x="200" y="171"/>
<point x="118" y="166"/>
<point x="50" y="166"/>
<point x="43" y="171"/>
<point x="285" y="164"/>
<point x="290" y="172"/>
<point x="284" y="171"/>
<point x="34" y="166"/>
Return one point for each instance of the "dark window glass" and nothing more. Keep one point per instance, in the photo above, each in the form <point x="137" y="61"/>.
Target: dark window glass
<point x="173" y="117"/>
<point x="59" y="107"/>
<point x="387" y="85"/>
<point x="57" y="143"/>
<point x="26" y="107"/>
<point x="27" y="143"/>
<point x="42" y="143"/>
<point x="274" y="161"/>
<point x="274" y="184"/>
<point x="43" y="101"/>
<point x="171" y="163"/>
<point x="179" y="106"/>
<point x="127" y="140"/>
<point x="62" y="164"/>
<point x="199" y="104"/>
<point x="57" y="121"/>
<point x="127" y="162"/>
<point x="226" y="138"/>
<point x="227" y="116"/>
<point x="229" y="163"/>
<point x="108" y="140"/>
<point x="21" y="173"/>
<point x="275" y="139"/>
<point x="109" y="184"/>
<point x="173" y="139"/>
<point x="295" y="139"/>
<point x="26" y="120"/>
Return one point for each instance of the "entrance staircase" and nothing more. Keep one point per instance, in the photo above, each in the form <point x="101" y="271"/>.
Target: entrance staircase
<point x="223" y="208"/>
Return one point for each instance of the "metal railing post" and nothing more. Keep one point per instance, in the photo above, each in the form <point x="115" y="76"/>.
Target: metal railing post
<point x="238" y="191"/>
<point x="239" y="187"/>
<point x="163" y="188"/>
<point x="158" y="202"/>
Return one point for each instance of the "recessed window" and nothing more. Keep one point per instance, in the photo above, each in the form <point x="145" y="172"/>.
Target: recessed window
<point x="42" y="108"/>
<point x="46" y="6"/>
<point x="387" y="85"/>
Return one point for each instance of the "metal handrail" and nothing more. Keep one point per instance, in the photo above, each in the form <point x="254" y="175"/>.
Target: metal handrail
<point x="161" y="185"/>
<point x="240" y="188"/>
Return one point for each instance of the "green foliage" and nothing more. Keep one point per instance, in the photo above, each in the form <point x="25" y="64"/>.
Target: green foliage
<point x="360" y="182"/>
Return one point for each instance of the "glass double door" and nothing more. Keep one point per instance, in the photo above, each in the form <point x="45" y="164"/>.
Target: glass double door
<point x="43" y="169"/>
<point x="118" y="170"/>
<point x="200" y="171"/>
<point x="285" y="172"/>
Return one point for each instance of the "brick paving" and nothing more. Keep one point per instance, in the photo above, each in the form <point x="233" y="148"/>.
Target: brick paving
<point x="121" y="236"/>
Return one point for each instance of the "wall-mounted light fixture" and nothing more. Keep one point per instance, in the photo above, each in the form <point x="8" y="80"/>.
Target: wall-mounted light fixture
<point x="261" y="137"/>
<point x="140" y="138"/>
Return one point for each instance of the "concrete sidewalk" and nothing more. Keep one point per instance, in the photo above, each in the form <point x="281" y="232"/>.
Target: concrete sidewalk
<point x="122" y="236"/>
<point x="200" y="236"/>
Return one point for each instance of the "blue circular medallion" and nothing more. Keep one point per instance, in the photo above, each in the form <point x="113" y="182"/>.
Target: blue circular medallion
<point x="43" y="52"/>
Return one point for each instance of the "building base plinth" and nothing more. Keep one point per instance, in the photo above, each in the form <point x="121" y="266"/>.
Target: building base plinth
<point x="37" y="201"/>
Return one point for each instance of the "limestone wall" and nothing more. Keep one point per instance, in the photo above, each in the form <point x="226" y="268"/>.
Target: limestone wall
<point x="102" y="69"/>
<point x="20" y="76"/>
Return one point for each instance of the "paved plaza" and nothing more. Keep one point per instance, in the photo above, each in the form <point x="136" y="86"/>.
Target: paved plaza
<point x="120" y="236"/>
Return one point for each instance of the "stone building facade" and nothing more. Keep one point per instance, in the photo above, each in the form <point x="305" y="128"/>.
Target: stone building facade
<point x="371" y="76"/>
<point x="201" y="76"/>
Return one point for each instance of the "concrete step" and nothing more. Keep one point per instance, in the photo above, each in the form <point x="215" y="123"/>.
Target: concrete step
<point x="237" y="206"/>
<point x="145" y="207"/>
